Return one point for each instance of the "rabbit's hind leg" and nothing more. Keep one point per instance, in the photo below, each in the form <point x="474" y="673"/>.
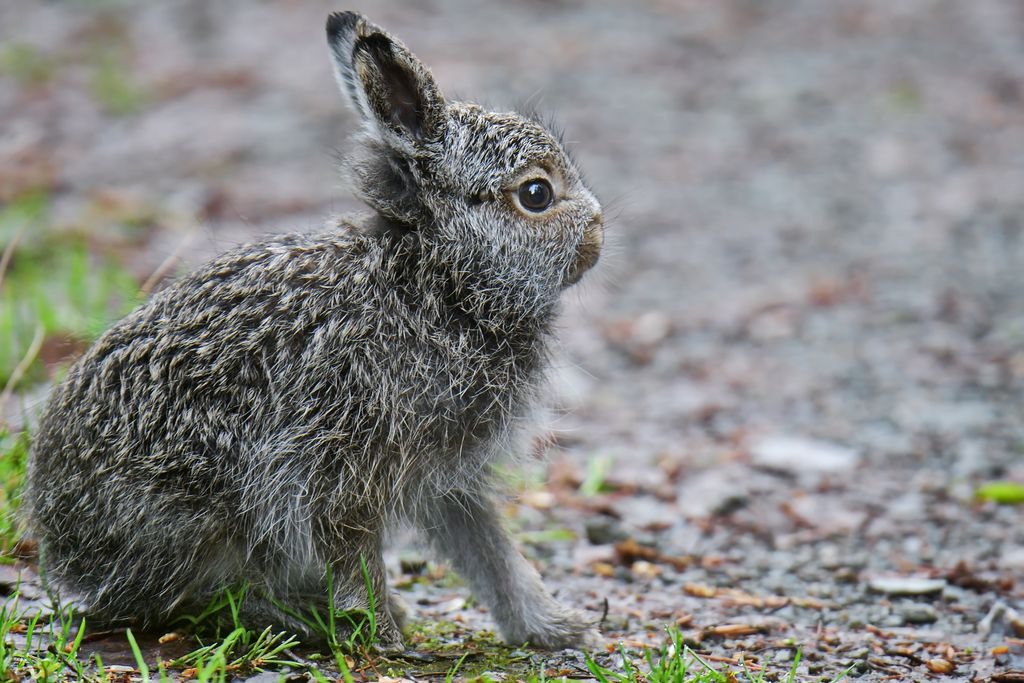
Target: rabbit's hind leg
<point x="296" y="616"/>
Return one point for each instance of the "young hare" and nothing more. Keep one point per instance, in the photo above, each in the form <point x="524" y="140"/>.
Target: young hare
<point x="270" y="416"/>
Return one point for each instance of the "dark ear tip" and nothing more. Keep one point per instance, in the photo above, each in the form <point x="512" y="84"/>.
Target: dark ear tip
<point x="340" y="23"/>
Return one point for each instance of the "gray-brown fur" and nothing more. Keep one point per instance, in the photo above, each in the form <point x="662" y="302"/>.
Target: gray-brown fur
<point x="278" y="410"/>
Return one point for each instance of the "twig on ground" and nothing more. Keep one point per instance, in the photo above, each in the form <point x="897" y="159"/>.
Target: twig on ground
<point x="165" y="266"/>
<point x="731" y="660"/>
<point x="20" y="369"/>
<point x="5" y="260"/>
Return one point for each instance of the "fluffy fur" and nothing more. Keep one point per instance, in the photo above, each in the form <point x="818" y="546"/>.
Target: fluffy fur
<point x="276" y="411"/>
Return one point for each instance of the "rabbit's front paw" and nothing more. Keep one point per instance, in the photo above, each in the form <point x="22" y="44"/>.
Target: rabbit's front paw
<point x="557" y="629"/>
<point x="398" y="609"/>
<point x="388" y="637"/>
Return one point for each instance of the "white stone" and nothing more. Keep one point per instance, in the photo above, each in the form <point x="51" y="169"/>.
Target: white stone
<point x="798" y="454"/>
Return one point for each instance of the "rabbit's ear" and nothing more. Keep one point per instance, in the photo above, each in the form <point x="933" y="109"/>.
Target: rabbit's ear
<point x="391" y="89"/>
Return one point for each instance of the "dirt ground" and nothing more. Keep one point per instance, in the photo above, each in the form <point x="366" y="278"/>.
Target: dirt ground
<point x="804" y="348"/>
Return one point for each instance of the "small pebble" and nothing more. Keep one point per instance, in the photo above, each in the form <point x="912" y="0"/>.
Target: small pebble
<point x="859" y="668"/>
<point x="604" y="531"/>
<point x="918" y="613"/>
<point x="906" y="585"/>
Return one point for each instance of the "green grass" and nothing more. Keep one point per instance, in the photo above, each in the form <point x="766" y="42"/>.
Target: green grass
<point x="56" y="294"/>
<point x="675" y="662"/>
<point x="241" y="652"/>
<point x="595" y="479"/>
<point x="1002" y="492"/>
<point x="13" y="457"/>
<point x="26" y="64"/>
<point x="35" y="647"/>
<point x="224" y="655"/>
<point x="49" y="648"/>
<point x="113" y="85"/>
<point x="360" y="625"/>
<point x="111" y="82"/>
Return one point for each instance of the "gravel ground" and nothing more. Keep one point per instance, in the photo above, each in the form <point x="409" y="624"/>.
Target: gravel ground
<point x="803" y="351"/>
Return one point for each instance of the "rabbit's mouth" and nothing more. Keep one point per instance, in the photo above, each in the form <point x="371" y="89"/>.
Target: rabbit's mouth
<point x="589" y="250"/>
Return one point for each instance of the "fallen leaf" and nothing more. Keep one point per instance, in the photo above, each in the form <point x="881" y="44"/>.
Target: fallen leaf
<point x="964" y="576"/>
<point x="737" y="597"/>
<point x="635" y="644"/>
<point x="629" y="551"/>
<point x="678" y="562"/>
<point x="884" y="635"/>
<point x="645" y="570"/>
<point x="699" y="590"/>
<point x="734" y="630"/>
<point x="809" y="603"/>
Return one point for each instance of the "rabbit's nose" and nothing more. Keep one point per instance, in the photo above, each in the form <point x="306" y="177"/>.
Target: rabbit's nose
<point x="593" y="234"/>
<point x="589" y="249"/>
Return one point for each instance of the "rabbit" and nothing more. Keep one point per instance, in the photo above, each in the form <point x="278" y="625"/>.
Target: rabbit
<point x="265" y="420"/>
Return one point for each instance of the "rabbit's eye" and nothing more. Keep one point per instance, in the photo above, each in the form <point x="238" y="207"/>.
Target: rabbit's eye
<point x="536" y="195"/>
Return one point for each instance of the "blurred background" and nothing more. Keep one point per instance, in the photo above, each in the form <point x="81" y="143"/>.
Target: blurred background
<point x="809" y="320"/>
<point x="815" y="208"/>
